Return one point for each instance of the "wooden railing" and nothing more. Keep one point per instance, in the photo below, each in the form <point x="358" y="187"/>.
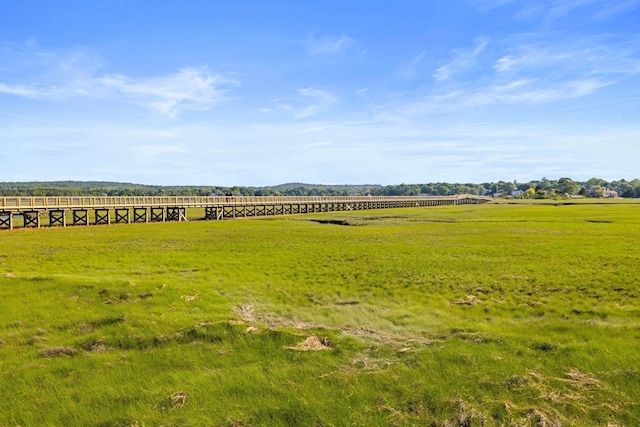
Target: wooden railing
<point x="92" y="202"/>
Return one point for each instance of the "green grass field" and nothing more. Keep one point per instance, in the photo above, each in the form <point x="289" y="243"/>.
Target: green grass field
<point x="503" y="314"/>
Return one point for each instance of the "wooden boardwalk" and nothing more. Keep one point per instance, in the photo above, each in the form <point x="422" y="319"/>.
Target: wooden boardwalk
<point x="63" y="211"/>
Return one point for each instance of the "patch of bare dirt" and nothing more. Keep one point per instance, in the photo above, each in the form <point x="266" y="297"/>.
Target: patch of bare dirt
<point x="312" y="343"/>
<point x="246" y="311"/>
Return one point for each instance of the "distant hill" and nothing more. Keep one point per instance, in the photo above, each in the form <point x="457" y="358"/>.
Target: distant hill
<point x="99" y="188"/>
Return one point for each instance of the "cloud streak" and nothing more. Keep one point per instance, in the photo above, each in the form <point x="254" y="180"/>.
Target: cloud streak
<point x="523" y="71"/>
<point x="461" y="60"/>
<point x="309" y="102"/>
<point x="595" y="56"/>
<point x="516" y="92"/>
<point x="330" y="45"/>
<point x="323" y="100"/>
<point x="64" y="76"/>
<point x="550" y="11"/>
<point x="189" y="89"/>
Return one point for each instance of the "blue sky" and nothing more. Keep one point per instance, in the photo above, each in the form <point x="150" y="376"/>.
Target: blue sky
<point x="334" y="92"/>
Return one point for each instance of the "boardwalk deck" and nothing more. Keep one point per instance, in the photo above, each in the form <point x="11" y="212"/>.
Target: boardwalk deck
<point x="97" y="210"/>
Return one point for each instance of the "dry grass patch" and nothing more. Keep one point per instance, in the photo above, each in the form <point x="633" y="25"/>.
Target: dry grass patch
<point x="58" y="352"/>
<point x="174" y="401"/>
<point x="468" y="300"/>
<point x="386" y="338"/>
<point x="249" y="316"/>
<point x="579" y="380"/>
<point x="97" y="346"/>
<point x="312" y="343"/>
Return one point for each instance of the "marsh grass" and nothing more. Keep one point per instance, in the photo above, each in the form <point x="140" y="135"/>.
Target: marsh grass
<point x="512" y="314"/>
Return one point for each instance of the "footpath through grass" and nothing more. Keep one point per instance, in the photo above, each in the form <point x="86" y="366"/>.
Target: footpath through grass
<point x="523" y="314"/>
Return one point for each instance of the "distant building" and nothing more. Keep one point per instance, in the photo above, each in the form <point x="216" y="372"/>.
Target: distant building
<point x="517" y="193"/>
<point x="601" y="192"/>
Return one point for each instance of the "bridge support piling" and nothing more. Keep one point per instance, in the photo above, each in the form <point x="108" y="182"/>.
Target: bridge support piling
<point x="102" y="216"/>
<point x="157" y="214"/>
<point x="140" y="215"/>
<point x="210" y="213"/>
<point x="57" y="216"/>
<point x="122" y="216"/>
<point x="6" y="219"/>
<point x="176" y="213"/>
<point x="228" y="211"/>
<point x="31" y="219"/>
<point x="80" y="217"/>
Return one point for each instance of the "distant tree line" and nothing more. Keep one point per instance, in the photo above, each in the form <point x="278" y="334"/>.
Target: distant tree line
<point x="544" y="188"/>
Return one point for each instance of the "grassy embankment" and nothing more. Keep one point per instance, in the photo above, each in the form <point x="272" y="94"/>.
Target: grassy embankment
<point x="469" y="315"/>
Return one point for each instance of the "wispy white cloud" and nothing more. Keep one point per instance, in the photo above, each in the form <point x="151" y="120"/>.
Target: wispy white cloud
<point x="30" y="71"/>
<point x="309" y="102"/>
<point x="330" y="45"/>
<point x="533" y="92"/>
<point x="556" y="9"/>
<point x="411" y="69"/>
<point x="322" y="101"/>
<point x="489" y="5"/>
<point x="461" y="60"/>
<point x="25" y="91"/>
<point x="550" y="11"/>
<point x="516" y="92"/>
<point x="63" y="75"/>
<point x="51" y="90"/>
<point x="619" y="7"/>
<point x="595" y="55"/>
<point x="189" y="89"/>
<point x="522" y="70"/>
<point x="530" y="56"/>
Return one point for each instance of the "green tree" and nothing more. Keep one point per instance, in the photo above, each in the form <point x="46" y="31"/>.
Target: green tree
<point x="568" y="186"/>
